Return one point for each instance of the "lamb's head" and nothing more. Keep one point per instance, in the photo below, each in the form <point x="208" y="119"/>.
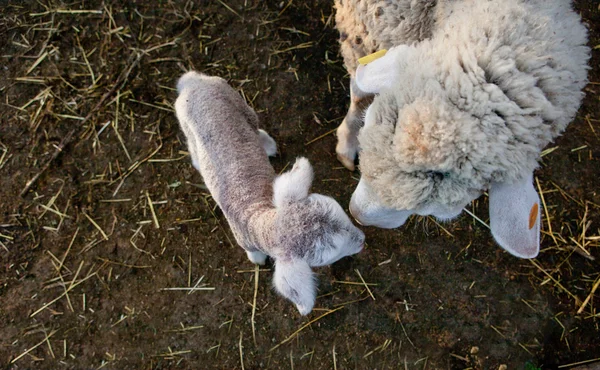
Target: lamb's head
<point x="311" y="230"/>
<point x="422" y="154"/>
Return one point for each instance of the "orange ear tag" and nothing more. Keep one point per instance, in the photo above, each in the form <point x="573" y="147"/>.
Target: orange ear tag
<point x="533" y="216"/>
<point x="371" y="57"/>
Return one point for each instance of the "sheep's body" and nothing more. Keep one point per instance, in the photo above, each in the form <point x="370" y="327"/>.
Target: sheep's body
<point x="367" y="26"/>
<point x="268" y="215"/>
<point x="479" y="88"/>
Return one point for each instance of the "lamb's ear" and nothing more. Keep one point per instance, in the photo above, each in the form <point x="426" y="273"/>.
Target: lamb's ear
<point x="295" y="281"/>
<point x="515" y="217"/>
<point x="381" y="73"/>
<point x="293" y="185"/>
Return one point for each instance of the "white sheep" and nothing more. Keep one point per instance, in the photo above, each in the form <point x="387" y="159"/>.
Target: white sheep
<point x="468" y="95"/>
<point x="269" y="216"/>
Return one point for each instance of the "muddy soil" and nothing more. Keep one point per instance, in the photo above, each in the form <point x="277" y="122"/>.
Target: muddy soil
<point x="89" y="252"/>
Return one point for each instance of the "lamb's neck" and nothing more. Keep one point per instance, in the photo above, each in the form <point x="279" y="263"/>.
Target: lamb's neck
<point x="261" y="227"/>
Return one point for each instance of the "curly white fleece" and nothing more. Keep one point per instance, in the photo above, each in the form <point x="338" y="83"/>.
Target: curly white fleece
<point x="483" y="88"/>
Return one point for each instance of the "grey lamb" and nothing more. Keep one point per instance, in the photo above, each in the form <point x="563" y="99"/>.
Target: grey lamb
<point x="269" y="215"/>
<point x="466" y="98"/>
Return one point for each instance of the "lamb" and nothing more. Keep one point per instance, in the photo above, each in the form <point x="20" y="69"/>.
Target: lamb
<point x="464" y="101"/>
<point x="269" y="216"/>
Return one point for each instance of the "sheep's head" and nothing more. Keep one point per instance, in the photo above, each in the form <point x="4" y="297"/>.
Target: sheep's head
<point x="421" y="154"/>
<point x="311" y="230"/>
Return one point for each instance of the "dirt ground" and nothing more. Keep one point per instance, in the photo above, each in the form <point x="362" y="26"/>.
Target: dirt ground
<point x="89" y="255"/>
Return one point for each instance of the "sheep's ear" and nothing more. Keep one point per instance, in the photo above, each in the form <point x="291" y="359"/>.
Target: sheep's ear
<point x="515" y="217"/>
<point x="295" y="281"/>
<point x="381" y="73"/>
<point x="293" y="185"/>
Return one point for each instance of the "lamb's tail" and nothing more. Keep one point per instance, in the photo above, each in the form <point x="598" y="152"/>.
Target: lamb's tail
<point x="188" y="79"/>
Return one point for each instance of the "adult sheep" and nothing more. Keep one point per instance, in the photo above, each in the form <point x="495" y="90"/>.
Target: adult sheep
<point x="468" y="95"/>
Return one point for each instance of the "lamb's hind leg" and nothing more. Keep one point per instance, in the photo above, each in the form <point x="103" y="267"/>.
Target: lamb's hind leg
<point x="347" y="133"/>
<point x="267" y="142"/>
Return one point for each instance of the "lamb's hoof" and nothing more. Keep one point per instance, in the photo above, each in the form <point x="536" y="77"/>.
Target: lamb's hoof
<point x="258" y="258"/>
<point x="347" y="162"/>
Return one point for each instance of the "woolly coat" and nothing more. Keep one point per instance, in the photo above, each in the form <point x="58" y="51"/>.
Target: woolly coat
<point x="274" y="216"/>
<point x="483" y="88"/>
<point x="224" y="143"/>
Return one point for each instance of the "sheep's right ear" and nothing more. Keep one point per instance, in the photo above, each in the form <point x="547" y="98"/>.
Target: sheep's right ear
<point x="293" y="185"/>
<point x="295" y="281"/>
<point x="381" y="73"/>
<point x="515" y="217"/>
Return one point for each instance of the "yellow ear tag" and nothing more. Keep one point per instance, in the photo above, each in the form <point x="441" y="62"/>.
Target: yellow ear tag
<point x="533" y="216"/>
<point x="371" y="57"/>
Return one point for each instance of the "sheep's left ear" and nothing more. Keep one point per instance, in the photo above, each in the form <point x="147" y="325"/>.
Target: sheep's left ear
<point x="381" y="73"/>
<point x="515" y="217"/>
<point x="293" y="185"/>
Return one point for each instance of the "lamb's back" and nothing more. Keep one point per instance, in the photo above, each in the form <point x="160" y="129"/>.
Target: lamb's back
<point x="234" y="166"/>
